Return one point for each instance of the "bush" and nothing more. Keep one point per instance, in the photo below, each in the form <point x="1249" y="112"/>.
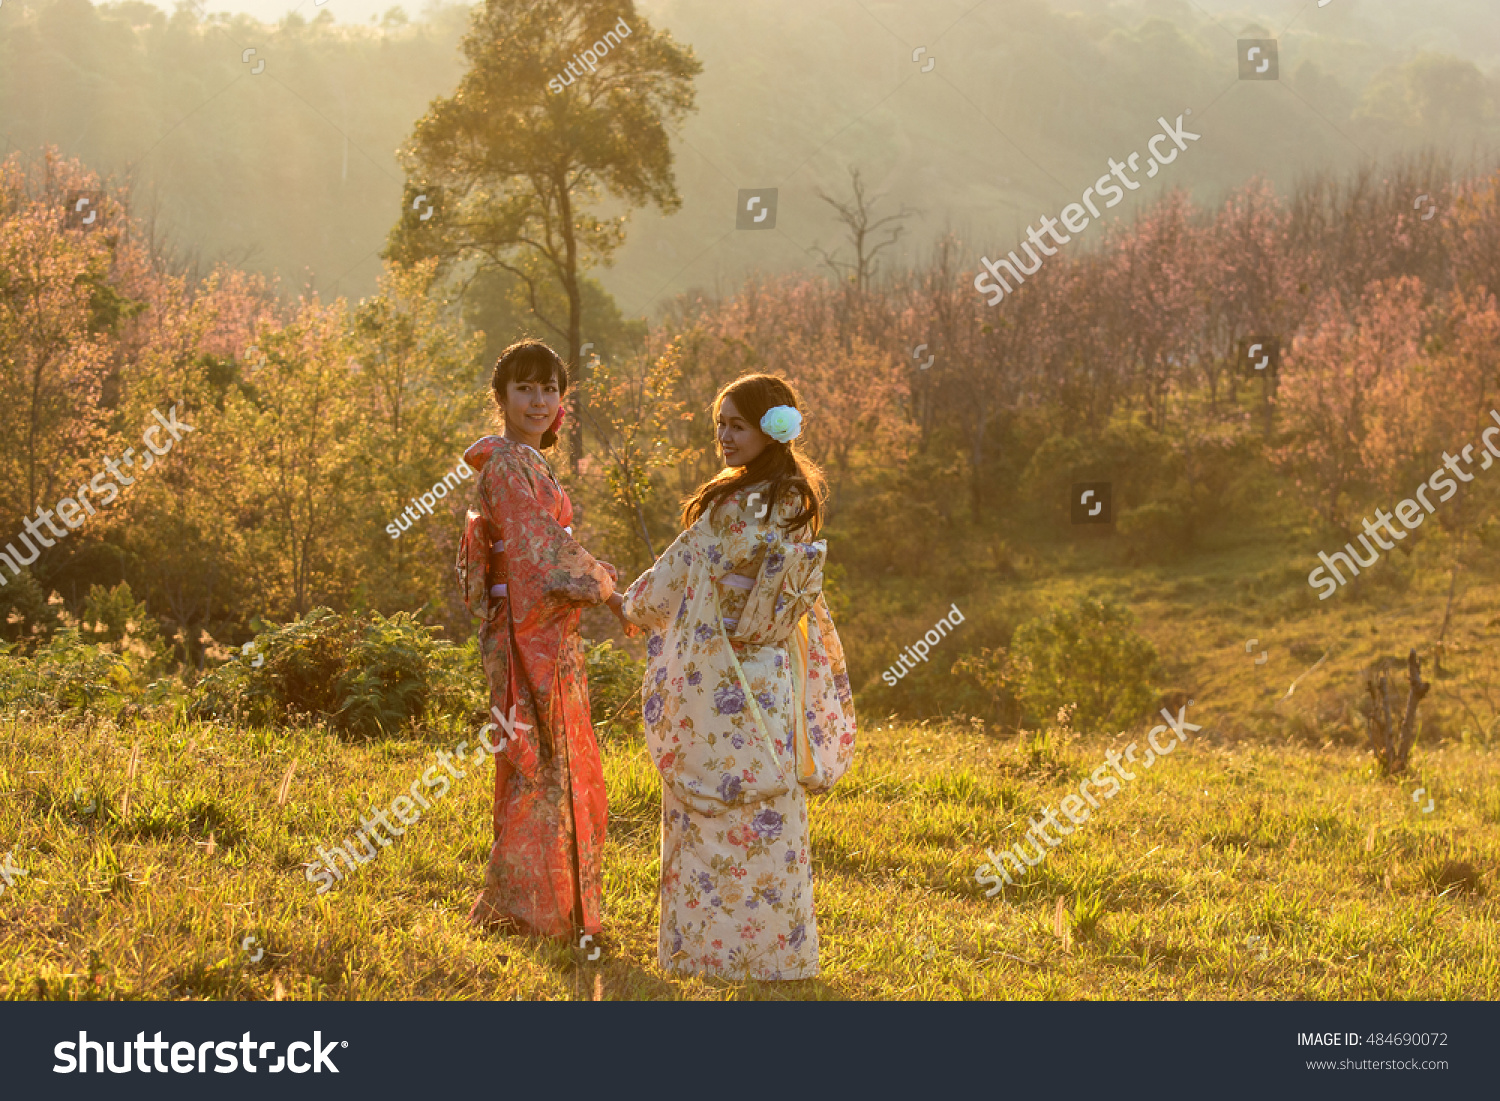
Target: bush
<point x="1088" y="655"/>
<point x="615" y="680"/>
<point x="67" y="674"/>
<point x="115" y="617"/>
<point x="1154" y="532"/>
<point x="365" y="675"/>
<point x="25" y="610"/>
<point x="937" y="688"/>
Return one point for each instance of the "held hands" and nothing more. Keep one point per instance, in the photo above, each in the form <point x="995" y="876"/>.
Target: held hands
<point x="617" y="605"/>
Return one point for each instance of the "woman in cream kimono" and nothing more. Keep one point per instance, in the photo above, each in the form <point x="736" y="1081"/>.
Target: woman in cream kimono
<point x="747" y="702"/>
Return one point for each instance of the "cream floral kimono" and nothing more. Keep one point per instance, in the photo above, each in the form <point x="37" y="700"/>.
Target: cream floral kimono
<point x="747" y="708"/>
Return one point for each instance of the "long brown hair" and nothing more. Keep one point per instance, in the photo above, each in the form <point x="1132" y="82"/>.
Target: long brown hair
<point x="529" y="361"/>
<point x="782" y="464"/>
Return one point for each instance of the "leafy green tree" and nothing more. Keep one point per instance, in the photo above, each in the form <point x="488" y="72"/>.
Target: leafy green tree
<point x="632" y="409"/>
<point x="183" y="533"/>
<point x="423" y="401"/>
<point x="522" y="150"/>
<point x="300" y="441"/>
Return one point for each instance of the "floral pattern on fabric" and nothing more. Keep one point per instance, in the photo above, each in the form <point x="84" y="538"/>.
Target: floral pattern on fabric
<point x="741" y="720"/>
<point x="544" y="872"/>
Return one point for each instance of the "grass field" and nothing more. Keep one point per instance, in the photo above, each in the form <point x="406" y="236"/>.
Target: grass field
<point x="1348" y="887"/>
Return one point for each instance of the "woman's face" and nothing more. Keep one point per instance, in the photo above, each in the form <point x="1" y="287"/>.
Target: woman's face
<point x="530" y="408"/>
<point x="739" y="440"/>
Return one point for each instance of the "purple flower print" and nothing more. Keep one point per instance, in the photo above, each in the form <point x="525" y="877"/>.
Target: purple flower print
<point x="661" y="675"/>
<point x="772" y="895"/>
<point x="765" y="700"/>
<point x="654" y="708"/>
<point x="695" y="678"/>
<point x="729" y="788"/>
<point x="799" y="935"/>
<point x="703" y="632"/>
<point x="768" y="825"/>
<point x="655" y="645"/>
<point x="730" y="700"/>
<point x="705" y="882"/>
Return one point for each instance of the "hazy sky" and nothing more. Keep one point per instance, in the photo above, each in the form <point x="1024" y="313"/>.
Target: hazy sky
<point x="344" y="11"/>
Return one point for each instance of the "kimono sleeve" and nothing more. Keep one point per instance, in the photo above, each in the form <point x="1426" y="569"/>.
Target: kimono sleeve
<point x="473" y="563"/>
<point x="545" y="564"/>
<point x="829" y="703"/>
<point x="659" y="595"/>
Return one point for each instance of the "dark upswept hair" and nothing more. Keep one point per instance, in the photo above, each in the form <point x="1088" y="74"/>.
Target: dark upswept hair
<point x="528" y="361"/>
<point x="782" y="464"/>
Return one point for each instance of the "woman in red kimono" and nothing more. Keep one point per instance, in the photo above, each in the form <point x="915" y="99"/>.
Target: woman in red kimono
<point x="528" y="580"/>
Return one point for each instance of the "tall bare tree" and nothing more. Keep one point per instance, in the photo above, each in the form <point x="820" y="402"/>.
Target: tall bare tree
<point x="858" y="216"/>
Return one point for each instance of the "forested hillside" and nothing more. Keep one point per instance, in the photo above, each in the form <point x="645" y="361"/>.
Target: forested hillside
<point x="292" y="171"/>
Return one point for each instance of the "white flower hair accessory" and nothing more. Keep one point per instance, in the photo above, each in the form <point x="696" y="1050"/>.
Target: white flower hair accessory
<point x="782" y="423"/>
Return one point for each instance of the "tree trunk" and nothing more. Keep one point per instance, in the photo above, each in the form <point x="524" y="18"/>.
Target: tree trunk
<point x="575" y="308"/>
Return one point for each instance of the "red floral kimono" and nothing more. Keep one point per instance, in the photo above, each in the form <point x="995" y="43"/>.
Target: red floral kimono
<point x="544" y="873"/>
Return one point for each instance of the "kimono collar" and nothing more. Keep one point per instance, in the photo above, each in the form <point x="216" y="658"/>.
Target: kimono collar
<point x="480" y="450"/>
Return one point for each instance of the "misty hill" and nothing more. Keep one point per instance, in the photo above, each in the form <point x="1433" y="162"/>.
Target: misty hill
<point x="292" y="170"/>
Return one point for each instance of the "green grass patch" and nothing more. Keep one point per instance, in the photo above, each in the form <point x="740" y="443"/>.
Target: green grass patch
<point x="1229" y="870"/>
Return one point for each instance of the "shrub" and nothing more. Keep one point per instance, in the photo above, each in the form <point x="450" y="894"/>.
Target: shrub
<point x="615" y="680"/>
<point x="25" y="610"/>
<point x="67" y="674"/>
<point x="1088" y="655"/>
<point x="1154" y="532"/>
<point x="939" y="687"/>
<point x="996" y="674"/>
<point x="366" y="675"/>
<point x="115" y="617"/>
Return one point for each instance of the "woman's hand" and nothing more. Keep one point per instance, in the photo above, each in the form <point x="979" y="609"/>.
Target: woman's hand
<point x="617" y="605"/>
